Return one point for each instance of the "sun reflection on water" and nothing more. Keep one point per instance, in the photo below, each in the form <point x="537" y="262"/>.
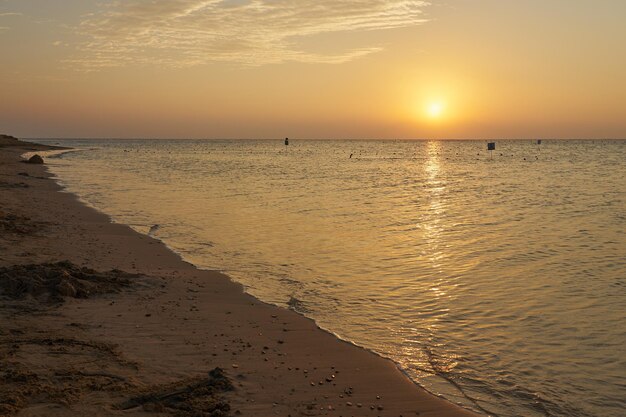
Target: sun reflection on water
<point x="431" y="220"/>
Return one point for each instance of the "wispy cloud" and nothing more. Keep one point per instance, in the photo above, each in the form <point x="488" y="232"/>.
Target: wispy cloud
<point x="251" y="32"/>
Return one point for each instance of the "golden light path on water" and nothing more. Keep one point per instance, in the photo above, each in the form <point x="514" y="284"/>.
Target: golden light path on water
<point x="432" y="226"/>
<point x="498" y="283"/>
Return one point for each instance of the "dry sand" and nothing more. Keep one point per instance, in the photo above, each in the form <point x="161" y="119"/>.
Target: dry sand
<point x="80" y="337"/>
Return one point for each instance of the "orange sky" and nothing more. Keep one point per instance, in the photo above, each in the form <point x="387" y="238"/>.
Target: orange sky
<point x="313" y="69"/>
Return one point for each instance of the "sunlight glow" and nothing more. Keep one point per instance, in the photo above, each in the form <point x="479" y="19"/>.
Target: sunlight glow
<point x="435" y="110"/>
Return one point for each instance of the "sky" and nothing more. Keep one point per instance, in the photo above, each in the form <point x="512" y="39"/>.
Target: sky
<point x="391" y="69"/>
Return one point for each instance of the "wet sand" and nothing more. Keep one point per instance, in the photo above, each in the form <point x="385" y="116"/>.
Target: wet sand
<point x="97" y="319"/>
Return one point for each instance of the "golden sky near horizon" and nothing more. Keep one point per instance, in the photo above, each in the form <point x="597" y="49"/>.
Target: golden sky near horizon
<point x="313" y="68"/>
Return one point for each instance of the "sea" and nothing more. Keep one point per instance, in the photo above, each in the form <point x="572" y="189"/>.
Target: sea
<point x="496" y="280"/>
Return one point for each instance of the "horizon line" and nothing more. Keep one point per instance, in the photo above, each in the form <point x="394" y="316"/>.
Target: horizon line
<point x="320" y="139"/>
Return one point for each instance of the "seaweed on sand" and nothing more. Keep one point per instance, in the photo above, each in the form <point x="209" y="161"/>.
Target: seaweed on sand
<point x="51" y="282"/>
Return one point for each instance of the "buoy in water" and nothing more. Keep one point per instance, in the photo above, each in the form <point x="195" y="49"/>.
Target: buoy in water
<point x="491" y="146"/>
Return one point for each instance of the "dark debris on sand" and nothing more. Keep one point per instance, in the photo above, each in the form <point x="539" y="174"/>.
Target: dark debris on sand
<point x="193" y="398"/>
<point x="19" y="225"/>
<point x="51" y="282"/>
<point x="4" y="184"/>
<point x="35" y="159"/>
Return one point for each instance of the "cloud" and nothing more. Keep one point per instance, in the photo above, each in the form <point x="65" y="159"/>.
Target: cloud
<point x="251" y="32"/>
<point x="7" y="14"/>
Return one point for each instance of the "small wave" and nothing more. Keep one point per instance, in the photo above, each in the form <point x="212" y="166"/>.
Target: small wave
<point x="297" y="305"/>
<point x="153" y="230"/>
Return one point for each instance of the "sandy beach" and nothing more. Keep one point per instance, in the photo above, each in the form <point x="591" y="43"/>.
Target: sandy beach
<point x="100" y="320"/>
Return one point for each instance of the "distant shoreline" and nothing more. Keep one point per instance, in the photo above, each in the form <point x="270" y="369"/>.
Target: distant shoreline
<point x="294" y="140"/>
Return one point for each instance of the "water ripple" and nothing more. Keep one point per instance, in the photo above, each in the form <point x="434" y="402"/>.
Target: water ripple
<point x="499" y="284"/>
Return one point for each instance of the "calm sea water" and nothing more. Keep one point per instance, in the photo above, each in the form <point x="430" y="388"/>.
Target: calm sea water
<point x="497" y="283"/>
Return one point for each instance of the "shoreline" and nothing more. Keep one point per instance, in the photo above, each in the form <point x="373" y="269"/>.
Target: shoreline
<point x="184" y="322"/>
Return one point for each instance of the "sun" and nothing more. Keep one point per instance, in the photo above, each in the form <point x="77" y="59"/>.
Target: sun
<point x="435" y="109"/>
